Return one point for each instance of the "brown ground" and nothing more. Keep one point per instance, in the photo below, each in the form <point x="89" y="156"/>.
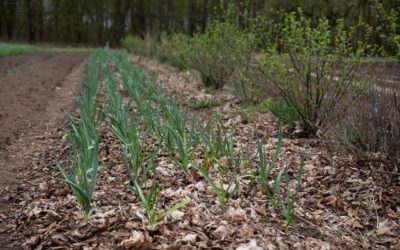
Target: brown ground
<point x="35" y="92"/>
<point x="343" y="205"/>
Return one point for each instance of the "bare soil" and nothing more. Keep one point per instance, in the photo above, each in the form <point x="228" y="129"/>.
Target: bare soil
<point x="35" y="91"/>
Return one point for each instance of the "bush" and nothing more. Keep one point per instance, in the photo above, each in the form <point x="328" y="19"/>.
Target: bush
<point x="314" y="70"/>
<point x="373" y="124"/>
<point x="144" y="47"/>
<point x="389" y="28"/>
<point x="283" y="110"/>
<point x="171" y="51"/>
<point x="133" y="44"/>
<point x="218" y="53"/>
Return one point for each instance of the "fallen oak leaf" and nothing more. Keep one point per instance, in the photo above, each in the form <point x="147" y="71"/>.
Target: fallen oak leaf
<point x="190" y="238"/>
<point x="236" y="214"/>
<point x="252" y="245"/>
<point x="355" y="224"/>
<point x="384" y="231"/>
<point x="136" y="241"/>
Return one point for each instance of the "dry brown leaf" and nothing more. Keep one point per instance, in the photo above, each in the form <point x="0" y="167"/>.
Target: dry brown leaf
<point x="136" y="241"/>
<point x="355" y="224"/>
<point x="190" y="238"/>
<point x="236" y="214"/>
<point x="385" y="231"/>
<point x="177" y="215"/>
<point x="221" y="232"/>
<point x="252" y="245"/>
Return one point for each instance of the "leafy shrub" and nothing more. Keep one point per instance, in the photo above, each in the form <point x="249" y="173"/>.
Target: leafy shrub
<point x="315" y="69"/>
<point x="218" y="53"/>
<point x="389" y="30"/>
<point x="144" y="47"/>
<point x="171" y="51"/>
<point x="133" y="44"/>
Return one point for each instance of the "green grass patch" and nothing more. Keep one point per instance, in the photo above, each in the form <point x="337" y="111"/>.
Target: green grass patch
<point x="261" y="107"/>
<point x="71" y="49"/>
<point x="10" y="49"/>
<point x="204" y="104"/>
<point x="279" y="107"/>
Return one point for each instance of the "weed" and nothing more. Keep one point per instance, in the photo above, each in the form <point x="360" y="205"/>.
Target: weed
<point x="204" y="104"/>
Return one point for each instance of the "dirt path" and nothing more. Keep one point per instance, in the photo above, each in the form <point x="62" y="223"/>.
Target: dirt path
<point x="35" y="91"/>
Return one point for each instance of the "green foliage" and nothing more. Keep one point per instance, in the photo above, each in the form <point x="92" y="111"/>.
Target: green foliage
<point x="217" y="53"/>
<point x="219" y="149"/>
<point x="171" y="51"/>
<point x="265" y="167"/>
<point x="8" y="49"/>
<point x="204" y="104"/>
<point x="274" y="193"/>
<point x="389" y="28"/>
<point x="291" y="197"/>
<point x="315" y="70"/>
<point x="282" y="109"/>
<point x="139" y="164"/>
<point x="84" y="163"/>
<point x="156" y="116"/>
<point x="213" y="143"/>
<point x="83" y="166"/>
<point x="134" y="44"/>
<point x="150" y="196"/>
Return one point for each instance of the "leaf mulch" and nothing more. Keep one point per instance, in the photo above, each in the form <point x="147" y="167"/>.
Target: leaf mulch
<point x="342" y="205"/>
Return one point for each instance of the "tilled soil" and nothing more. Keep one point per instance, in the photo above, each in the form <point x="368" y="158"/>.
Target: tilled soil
<point x="35" y="91"/>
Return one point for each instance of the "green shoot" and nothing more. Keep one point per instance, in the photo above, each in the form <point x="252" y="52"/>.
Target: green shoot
<point x="265" y="167"/>
<point x="83" y="175"/>
<point x="291" y="198"/>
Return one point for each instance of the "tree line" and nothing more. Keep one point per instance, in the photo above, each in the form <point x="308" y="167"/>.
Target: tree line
<point x="94" y="22"/>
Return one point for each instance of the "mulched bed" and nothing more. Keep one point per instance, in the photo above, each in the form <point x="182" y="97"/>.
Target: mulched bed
<point x="342" y="204"/>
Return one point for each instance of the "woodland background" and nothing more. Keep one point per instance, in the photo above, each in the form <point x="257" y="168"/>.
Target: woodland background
<point x="94" y="22"/>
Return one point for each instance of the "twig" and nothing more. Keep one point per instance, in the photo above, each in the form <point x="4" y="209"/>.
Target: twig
<point x="386" y="172"/>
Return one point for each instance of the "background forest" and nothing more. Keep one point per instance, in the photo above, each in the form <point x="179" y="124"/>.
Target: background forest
<point x="94" y="22"/>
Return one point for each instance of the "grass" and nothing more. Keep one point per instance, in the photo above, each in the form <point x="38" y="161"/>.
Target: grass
<point x="204" y="104"/>
<point x="70" y="49"/>
<point x="9" y="49"/>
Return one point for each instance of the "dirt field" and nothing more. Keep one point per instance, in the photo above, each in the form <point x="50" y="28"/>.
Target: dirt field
<point x="35" y="92"/>
<point x="343" y="204"/>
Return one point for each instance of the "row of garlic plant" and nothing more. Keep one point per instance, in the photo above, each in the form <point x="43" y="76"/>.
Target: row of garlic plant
<point x="82" y="167"/>
<point x="182" y="139"/>
<point x="140" y="161"/>
<point x="156" y="116"/>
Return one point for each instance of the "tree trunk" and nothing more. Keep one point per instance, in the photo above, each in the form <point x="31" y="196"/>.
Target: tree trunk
<point x="192" y="16"/>
<point x="204" y="16"/>
<point x="31" y="21"/>
<point x="141" y="17"/>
